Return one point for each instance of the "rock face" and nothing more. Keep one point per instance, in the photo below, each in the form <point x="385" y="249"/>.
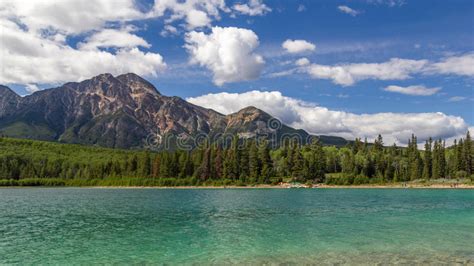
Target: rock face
<point x="122" y="112"/>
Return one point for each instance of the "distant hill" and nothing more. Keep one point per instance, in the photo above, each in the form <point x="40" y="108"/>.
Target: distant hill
<point x="128" y="112"/>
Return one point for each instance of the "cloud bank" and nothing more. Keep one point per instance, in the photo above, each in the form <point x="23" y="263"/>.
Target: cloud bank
<point x="395" y="127"/>
<point x="36" y="37"/>
<point x="348" y="74"/>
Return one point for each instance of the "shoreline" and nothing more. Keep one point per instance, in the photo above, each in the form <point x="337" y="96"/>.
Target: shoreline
<point x="285" y="186"/>
<point x="323" y="186"/>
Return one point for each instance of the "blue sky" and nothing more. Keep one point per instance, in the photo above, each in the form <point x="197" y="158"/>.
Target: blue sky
<point x="378" y="34"/>
<point x="347" y="70"/>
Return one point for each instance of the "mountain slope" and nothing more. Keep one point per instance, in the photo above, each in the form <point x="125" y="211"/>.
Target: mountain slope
<point x="123" y="112"/>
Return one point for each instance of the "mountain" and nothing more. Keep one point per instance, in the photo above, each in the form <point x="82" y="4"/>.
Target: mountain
<point x="127" y="112"/>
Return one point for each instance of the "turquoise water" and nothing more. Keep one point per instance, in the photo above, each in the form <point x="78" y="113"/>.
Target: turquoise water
<point x="223" y="226"/>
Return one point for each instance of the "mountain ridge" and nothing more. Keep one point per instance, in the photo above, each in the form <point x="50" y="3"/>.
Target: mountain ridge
<point x="122" y="112"/>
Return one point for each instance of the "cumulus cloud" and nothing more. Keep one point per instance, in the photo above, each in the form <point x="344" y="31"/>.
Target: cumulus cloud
<point x="30" y="57"/>
<point x="68" y="16"/>
<point x="196" y="13"/>
<point x="201" y="13"/>
<point x="416" y="90"/>
<point x="348" y="74"/>
<point x="302" y="62"/>
<point x="169" y="30"/>
<point x="348" y="10"/>
<point x="252" y="8"/>
<point x="395" y="127"/>
<point x="298" y="46"/>
<point x="227" y="52"/>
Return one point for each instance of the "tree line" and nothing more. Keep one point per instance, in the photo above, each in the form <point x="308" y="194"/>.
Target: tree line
<point x="243" y="162"/>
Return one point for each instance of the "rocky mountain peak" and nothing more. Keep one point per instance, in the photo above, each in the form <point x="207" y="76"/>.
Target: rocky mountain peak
<point x="7" y="92"/>
<point x="137" y="84"/>
<point x="121" y="112"/>
<point x="8" y="100"/>
<point x="250" y="113"/>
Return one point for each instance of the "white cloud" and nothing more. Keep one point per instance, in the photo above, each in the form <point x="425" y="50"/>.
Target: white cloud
<point x="348" y="10"/>
<point x="201" y="13"/>
<point x="390" y="3"/>
<point x="462" y="65"/>
<point x="298" y="46"/>
<point x="196" y="13"/>
<point x="348" y="74"/>
<point x="169" y="30"/>
<point x="301" y="8"/>
<point x="395" y="127"/>
<point x="31" y="88"/>
<point x="68" y="16"/>
<point x="416" y="90"/>
<point x="107" y="38"/>
<point x="252" y="8"/>
<point x="457" y="99"/>
<point x="31" y="58"/>
<point x="394" y="69"/>
<point x="302" y="62"/>
<point x="227" y="52"/>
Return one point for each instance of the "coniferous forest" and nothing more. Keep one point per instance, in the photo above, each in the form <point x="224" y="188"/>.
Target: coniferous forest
<point x="243" y="162"/>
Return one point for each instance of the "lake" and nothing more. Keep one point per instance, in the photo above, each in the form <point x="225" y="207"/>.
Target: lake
<point x="224" y="226"/>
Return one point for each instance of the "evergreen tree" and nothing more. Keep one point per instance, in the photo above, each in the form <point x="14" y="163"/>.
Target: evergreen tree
<point x="298" y="164"/>
<point x="218" y="163"/>
<point x="427" y="162"/>
<point x="265" y="162"/>
<point x="467" y="154"/>
<point x="316" y="162"/>
<point x="254" y="164"/>
<point x="461" y="163"/>
<point x="204" y="171"/>
<point x="244" y="162"/>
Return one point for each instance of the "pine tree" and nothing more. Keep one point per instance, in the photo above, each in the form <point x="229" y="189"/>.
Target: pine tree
<point x="265" y="162"/>
<point x="378" y="144"/>
<point x="467" y="154"/>
<point x="460" y="156"/>
<point x="436" y="165"/>
<point x="442" y="159"/>
<point x="218" y="163"/>
<point x="254" y="164"/>
<point x="204" y="171"/>
<point x="244" y="162"/>
<point x="316" y="162"/>
<point x="298" y="164"/>
<point x="415" y="164"/>
<point x="145" y="165"/>
<point x="427" y="162"/>
<point x="235" y="157"/>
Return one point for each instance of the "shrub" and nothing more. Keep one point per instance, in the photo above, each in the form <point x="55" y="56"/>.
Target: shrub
<point x="361" y="179"/>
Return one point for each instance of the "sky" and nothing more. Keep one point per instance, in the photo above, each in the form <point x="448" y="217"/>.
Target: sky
<point x="353" y="68"/>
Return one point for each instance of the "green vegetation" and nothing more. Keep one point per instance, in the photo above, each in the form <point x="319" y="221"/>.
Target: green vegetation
<point x="244" y="162"/>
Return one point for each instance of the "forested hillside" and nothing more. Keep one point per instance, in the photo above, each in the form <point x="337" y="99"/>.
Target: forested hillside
<point x="244" y="162"/>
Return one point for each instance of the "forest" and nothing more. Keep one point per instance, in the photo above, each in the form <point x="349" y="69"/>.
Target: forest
<point x="243" y="162"/>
